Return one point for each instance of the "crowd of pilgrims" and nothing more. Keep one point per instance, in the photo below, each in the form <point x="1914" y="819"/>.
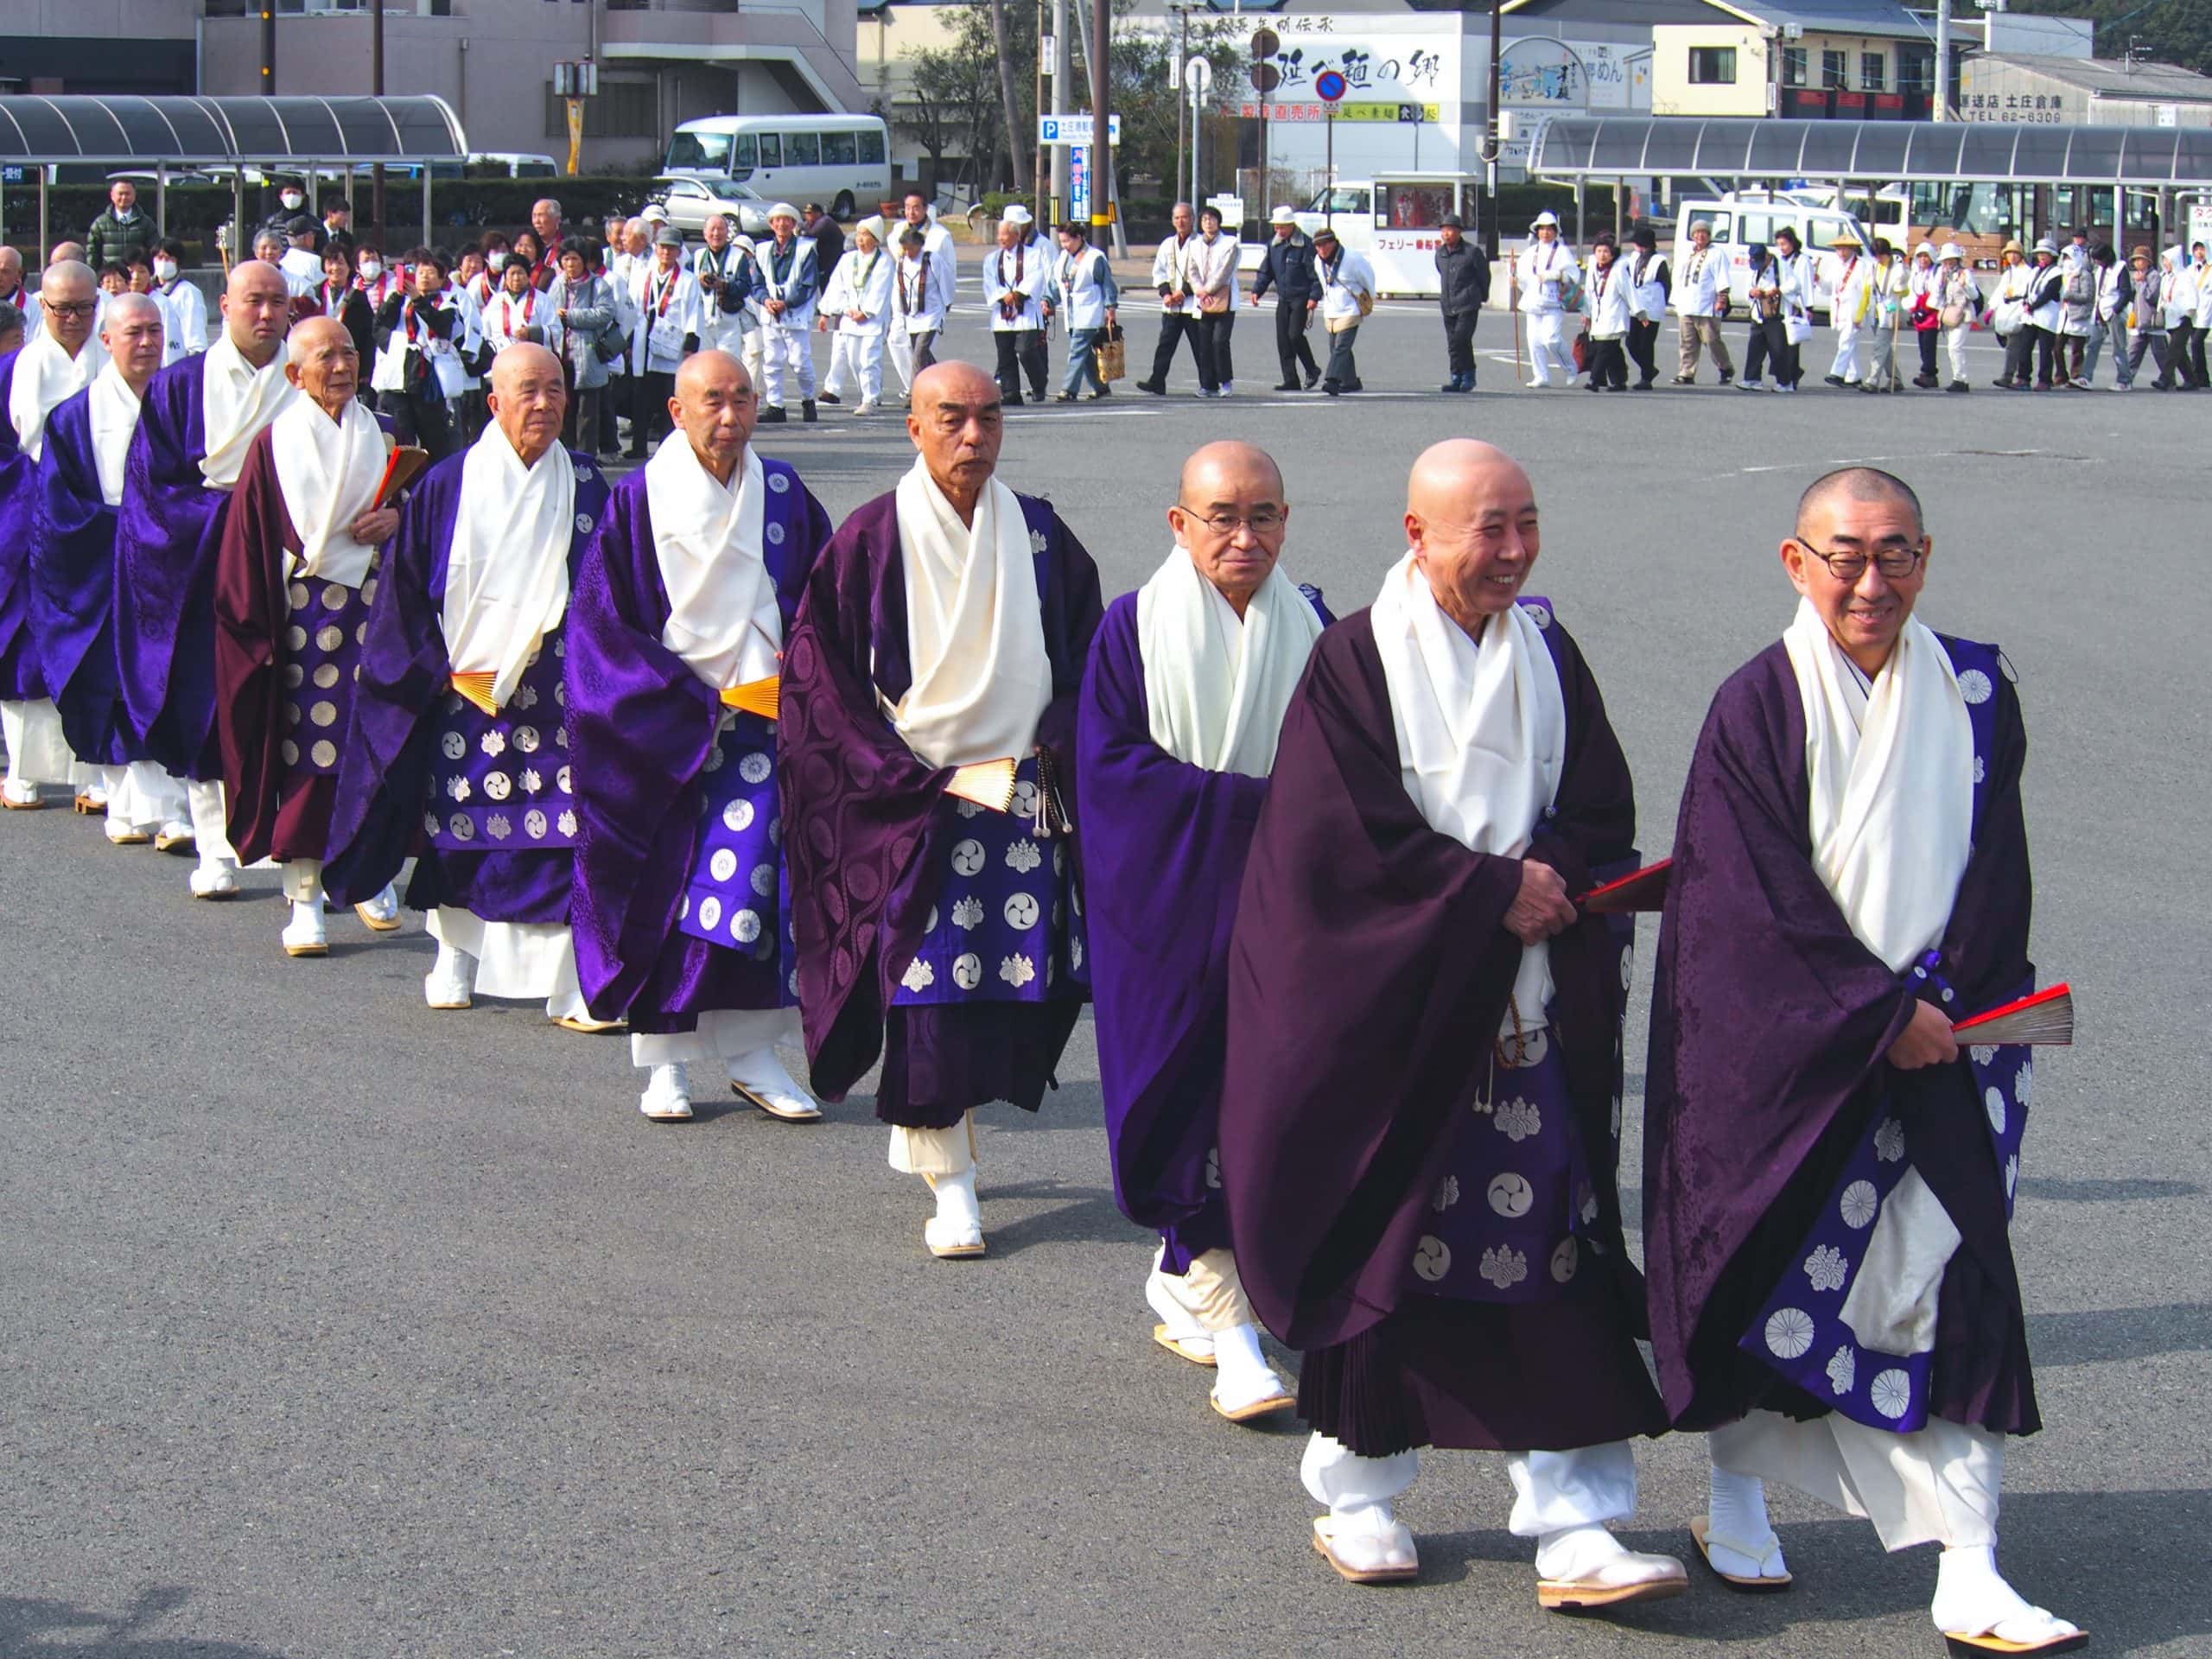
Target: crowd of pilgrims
<point x="675" y="751"/>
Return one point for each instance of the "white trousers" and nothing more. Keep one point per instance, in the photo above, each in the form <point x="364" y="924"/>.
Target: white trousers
<point x="935" y="1152"/>
<point x="1847" y="352"/>
<point x="723" y="1034"/>
<point x="37" y="752"/>
<point x="900" y="345"/>
<point x="1938" y="1485"/>
<point x="148" y="798"/>
<point x="210" y="821"/>
<point x="1954" y="341"/>
<point x="1589" y="1486"/>
<point x="860" y="357"/>
<point x="787" y="354"/>
<point x="520" y="960"/>
<point x="1547" y="348"/>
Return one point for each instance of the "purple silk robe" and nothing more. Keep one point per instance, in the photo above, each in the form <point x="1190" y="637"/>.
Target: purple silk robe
<point x="1370" y="968"/>
<point x="22" y="676"/>
<point x="642" y="726"/>
<point x="72" y="590"/>
<point x="168" y="529"/>
<point x="869" y="827"/>
<point x="1768" y="1023"/>
<point x="1163" y="855"/>
<point x="385" y="770"/>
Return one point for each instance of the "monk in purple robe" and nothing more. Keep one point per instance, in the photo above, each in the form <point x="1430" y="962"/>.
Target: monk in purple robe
<point x="199" y="419"/>
<point x="59" y="361"/>
<point x="459" y="750"/>
<point x="1184" y="696"/>
<point x="928" y="737"/>
<point x="1420" y="1114"/>
<point x="1830" y="1173"/>
<point x="73" y="576"/>
<point x="294" y="577"/>
<point x="676" y="630"/>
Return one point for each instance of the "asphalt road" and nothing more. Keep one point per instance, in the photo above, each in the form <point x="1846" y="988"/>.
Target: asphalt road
<point x="333" y="1326"/>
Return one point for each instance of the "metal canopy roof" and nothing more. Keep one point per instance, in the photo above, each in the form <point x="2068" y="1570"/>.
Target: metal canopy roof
<point x="1944" y="152"/>
<point x="199" y="132"/>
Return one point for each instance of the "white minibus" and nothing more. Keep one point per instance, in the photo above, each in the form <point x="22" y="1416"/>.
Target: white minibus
<point x="843" y="160"/>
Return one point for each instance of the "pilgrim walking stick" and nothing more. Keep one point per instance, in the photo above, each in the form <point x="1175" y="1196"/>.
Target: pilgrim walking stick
<point x="1513" y="278"/>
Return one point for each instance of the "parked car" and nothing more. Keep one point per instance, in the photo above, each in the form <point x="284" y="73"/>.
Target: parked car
<point x="692" y="197"/>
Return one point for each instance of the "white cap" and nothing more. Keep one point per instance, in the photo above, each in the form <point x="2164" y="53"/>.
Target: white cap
<point x="1016" y="215"/>
<point x="874" y="226"/>
<point x="1951" y="251"/>
<point x="654" y="213"/>
<point x="783" y="210"/>
<point x="1283" y="216"/>
<point x="1546" y="217"/>
<point x="1928" y="248"/>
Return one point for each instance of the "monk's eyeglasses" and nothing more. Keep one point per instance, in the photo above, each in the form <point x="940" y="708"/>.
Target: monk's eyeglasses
<point x="71" y="308"/>
<point x="1894" y="564"/>
<point x="1261" y="521"/>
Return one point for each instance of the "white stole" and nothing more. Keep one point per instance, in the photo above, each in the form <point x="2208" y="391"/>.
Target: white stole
<point x="507" y="569"/>
<point x="114" y="410"/>
<point x="975" y="629"/>
<point x="1215" y="687"/>
<point x="45" y="374"/>
<point x="1891" y="782"/>
<point x="709" y="540"/>
<point x="1481" y="732"/>
<point x="328" y="471"/>
<point x="238" y="400"/>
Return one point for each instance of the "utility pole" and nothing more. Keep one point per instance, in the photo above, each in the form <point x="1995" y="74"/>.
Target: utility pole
<point x="1037" y="157"/>
<point x="1063" y="67"/>
<point x="1180" y="82"/>
<point x="268" y="49"/>
<point x="1941" y="109"/>
<point x="1496" y="141"/>
<point x="1102" y="152"/>
<point x="376" y="86"/>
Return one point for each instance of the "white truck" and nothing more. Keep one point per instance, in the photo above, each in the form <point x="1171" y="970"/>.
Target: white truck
<point x="1391" y="220"/>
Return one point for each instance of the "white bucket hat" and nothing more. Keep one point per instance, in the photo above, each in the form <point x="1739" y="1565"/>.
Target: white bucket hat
<point x="783" y="210"/>
<point x="1546" y="217"/>
<point x="1283" y="216"/>
<point x="1950" y="252"/>
<point x="1016" y="215"/>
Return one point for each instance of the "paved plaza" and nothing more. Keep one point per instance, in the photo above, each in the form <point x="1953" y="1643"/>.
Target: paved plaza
<point x="332" y="1327"/>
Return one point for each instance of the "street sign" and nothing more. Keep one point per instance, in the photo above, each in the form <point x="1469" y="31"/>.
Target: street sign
<point x="1075" y="130"/>
<point x="1329" y="86"/>
<point x="1079" y="185"/>
<point x="1230" y="205"/>
<point x="1265" y="43"/>
<point x="1199" y="73"/>
<point x="1266" y="77"/>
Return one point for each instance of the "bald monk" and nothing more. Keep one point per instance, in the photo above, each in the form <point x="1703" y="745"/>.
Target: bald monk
<point x="1181" y="705"/>
<point x="460" y="743"/>
<point x="293" y="580"/>
<point x="675" y="640"/>
<point x="1421" y="1115"/>
<point x="59" y="361"/>
<point x="928" y="749"/>
<point x="197" y="421"/>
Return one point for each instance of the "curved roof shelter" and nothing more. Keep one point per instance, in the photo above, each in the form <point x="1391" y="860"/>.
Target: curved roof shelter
<point x="2145" y="158"/>
<point x="121" y="131"/>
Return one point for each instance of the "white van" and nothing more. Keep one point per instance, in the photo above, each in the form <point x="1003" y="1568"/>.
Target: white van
<point x="1392" y="220"/>
<point x="841" y="160"/>
<point x="1742" y="218"/>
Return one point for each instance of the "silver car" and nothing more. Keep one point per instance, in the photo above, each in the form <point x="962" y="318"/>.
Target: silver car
<point x="692" y="199"/>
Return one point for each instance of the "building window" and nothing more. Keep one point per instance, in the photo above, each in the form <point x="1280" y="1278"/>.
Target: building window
<point x="1793" y="66"/>
<point x="1873" y="70"/>
<point x="1713" y="66"/>
<point x="623" y="109"/>
<point x="1835" y="73"/>
<point x="1916" y="70"/>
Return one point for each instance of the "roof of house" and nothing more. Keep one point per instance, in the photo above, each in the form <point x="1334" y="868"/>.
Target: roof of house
<point x="2163" y="83"/>
<point x="1815" y="17"/>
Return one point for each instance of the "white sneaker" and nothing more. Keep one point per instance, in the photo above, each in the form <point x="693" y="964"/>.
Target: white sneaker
<point x="759" y="1077"/>
<point x="1229" y="388"/>
<point x="451" y="982"/>
<point x="667" y="1098"/>
<point x="306" y="935"/>
<point x="865" y="409"/>
<point x="215" y="878"/>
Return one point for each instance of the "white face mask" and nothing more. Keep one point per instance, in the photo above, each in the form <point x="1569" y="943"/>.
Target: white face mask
<point x="495" y="260"/>
<point x="291" y="198"/>
<point x="371" y="269"/>
<point x="164" y="271"/>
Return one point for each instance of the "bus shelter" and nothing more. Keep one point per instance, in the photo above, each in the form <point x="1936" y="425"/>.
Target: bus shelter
<point x="2052" y="176"/>
<point x="223" y="136"/>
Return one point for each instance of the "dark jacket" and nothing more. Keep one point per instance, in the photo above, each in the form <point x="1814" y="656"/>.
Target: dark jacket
<point x="280" y="223"/>
<point x="1463" y="274"/>
<point x="114" y="240"/>
<point x="1287" y="266"/>
<point x="828" y="239"/>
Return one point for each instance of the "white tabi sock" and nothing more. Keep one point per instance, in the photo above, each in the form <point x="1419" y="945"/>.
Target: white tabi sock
<point x="1575" y="1553"/>
<point x="955" y="1200"/>
<point x="1972" y="1599"/>
<point x="1243" y="1376"/>
<point x="1739" y="1539"/>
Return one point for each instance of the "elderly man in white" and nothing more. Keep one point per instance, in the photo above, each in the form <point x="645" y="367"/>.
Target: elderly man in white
<point x="1548" y="278"/>
<point x="785" y="304"/>
<point x="858" y="299"/>
<point x="929" y="276"/>
<point x="1014" y="279"/>
<point x="1701" y="291"/>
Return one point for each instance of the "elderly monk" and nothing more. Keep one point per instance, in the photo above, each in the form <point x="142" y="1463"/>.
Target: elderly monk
<point x="1176" y="735"/>
<point x="59" y="361"/>
<point x="294" y="582"/>
<point x="199" y="419"/>
<point x="1421" y="1116"/>
<point x="1827" y="1215"/>
<point x="460" y="744"/>
<point x="72" y="575"/>
<point x="675" y="640"/>
<point x="928" y="732"/>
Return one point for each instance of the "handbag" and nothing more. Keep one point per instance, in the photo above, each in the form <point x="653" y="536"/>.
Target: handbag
<point x="1213" y="304"/>
<point x="1582" y="351"/>
<point x="1109" y="355"/>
